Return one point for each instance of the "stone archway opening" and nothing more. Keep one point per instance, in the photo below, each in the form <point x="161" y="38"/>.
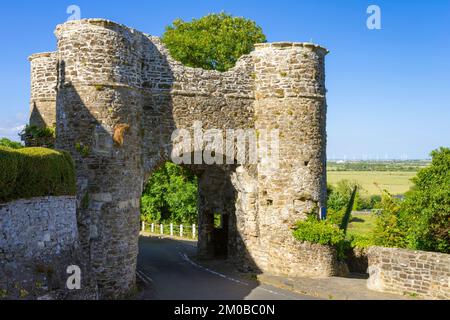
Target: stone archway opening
<point x="199" y="195"/>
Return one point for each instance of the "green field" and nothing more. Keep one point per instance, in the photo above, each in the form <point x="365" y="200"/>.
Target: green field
<point x="396" y="182"/>
<point x="362" y="224"/>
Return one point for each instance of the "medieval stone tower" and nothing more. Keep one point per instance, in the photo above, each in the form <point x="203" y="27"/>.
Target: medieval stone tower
<point x="116" y="97"/>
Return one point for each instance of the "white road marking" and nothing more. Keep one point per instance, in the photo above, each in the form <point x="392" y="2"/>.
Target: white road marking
<point x="273" y="292"/>
<point x="186" y="258"/>
<point x="144" y="277"/>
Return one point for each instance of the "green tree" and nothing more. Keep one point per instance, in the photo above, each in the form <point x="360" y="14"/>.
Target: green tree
<point x="422" y="220"/>
<point x="5" y="142"/>
<point x="339" y="197"/>
<point x="170" y="195"/>
<point x="427" y="205"/>
<point x="390" y="229"/>
<point x="213" y="42"/>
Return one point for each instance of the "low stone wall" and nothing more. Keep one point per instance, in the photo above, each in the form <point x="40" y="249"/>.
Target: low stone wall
<point x="301" y="259"/>
<point x="38" y="241"/>
<point x="37" y="228"/>
<point x="401" y="271"/>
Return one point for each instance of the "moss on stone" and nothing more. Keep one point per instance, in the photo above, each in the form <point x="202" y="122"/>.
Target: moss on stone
<point x="99" y="87"/>
<point x="83" y="150"/>
<point x="35" y="172"/>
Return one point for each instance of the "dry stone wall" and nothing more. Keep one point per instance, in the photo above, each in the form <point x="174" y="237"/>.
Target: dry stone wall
<point x="402" y="271"/>
<point x="114" y="81"/>
<point x="38" y="241"/>
<point x="39" y="227"/>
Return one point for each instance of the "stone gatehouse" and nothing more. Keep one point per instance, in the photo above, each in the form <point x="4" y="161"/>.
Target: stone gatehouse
<point x="116" y="96"/>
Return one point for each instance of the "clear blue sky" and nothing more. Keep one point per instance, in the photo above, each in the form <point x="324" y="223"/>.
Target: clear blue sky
<point x="388" y="89"/>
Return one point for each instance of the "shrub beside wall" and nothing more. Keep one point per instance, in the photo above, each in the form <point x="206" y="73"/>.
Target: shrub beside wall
<point x="35" y="172"/>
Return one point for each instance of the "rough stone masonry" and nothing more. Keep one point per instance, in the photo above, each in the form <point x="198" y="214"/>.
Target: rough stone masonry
<point x="38" y="241"/>
<point x="107" y="80"/>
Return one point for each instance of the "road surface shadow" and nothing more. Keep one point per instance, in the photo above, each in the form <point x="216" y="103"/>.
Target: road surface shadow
<point x="169" y="270"/>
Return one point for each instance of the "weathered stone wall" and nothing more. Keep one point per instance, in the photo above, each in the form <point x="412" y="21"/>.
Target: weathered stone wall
<point x="43" y="89"/>
<point x="116" y="82"/>
<point x="401" y="271"/>
<point x="97" y="92"/>
<point x="290" y="97"/>
<point x="38" y="241"/>
<point x="304" y="260"/>
<point x="39" y="227"/>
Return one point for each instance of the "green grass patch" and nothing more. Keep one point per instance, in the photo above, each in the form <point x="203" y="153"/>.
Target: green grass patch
<point x="35" y="172"/>
<point x="362" y="224"/>
<point x="396" y="182"/>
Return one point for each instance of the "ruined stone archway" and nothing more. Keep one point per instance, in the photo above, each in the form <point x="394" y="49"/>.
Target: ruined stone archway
<point x="114" y="82"/>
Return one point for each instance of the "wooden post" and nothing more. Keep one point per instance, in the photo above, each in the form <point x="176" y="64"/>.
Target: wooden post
<point x="143" y="226"/>
<point x="193" y="231"/>
<point x="171" y="229"/>
<point x="153" y="228"/>
<point x="161" y="229"/>
<point x="181" y="231"/>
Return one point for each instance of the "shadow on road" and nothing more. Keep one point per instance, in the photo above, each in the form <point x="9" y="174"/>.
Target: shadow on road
<point x="168" y="270"/>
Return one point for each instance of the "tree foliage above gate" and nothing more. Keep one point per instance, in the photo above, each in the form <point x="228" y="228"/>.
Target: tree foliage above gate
<point x="213" y="42"/>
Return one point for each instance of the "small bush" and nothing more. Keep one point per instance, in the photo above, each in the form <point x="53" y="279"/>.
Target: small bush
<point x="390" y="229"/>
<point x="360" y="241"/>
<point x="35" y="136"/>
<point x="321" y="232"/>
<point x="38" y="132"/>
<point x="40" y="172"/>
<point x="4" y="142"/>
<point x="375" y="201"/>
<point x="335" y="216"/>
<point x="336" y="200"/>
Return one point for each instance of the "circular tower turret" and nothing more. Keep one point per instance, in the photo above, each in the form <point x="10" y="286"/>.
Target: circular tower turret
<point x="290" y="97"/>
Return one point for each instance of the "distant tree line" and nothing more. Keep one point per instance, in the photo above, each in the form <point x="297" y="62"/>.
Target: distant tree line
<point x="404" y="166"/>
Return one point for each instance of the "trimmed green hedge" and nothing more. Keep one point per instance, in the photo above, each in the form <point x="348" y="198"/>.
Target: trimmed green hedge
<point x="35" y="172"/>
<point x="9" y="167"/>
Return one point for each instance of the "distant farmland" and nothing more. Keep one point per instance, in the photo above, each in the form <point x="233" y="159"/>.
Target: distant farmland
<point x="394" y="176"/>
<point x="396" y="182"/>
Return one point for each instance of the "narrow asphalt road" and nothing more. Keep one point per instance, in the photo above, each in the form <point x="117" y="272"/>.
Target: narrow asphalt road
<point x="166" y="272"/>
